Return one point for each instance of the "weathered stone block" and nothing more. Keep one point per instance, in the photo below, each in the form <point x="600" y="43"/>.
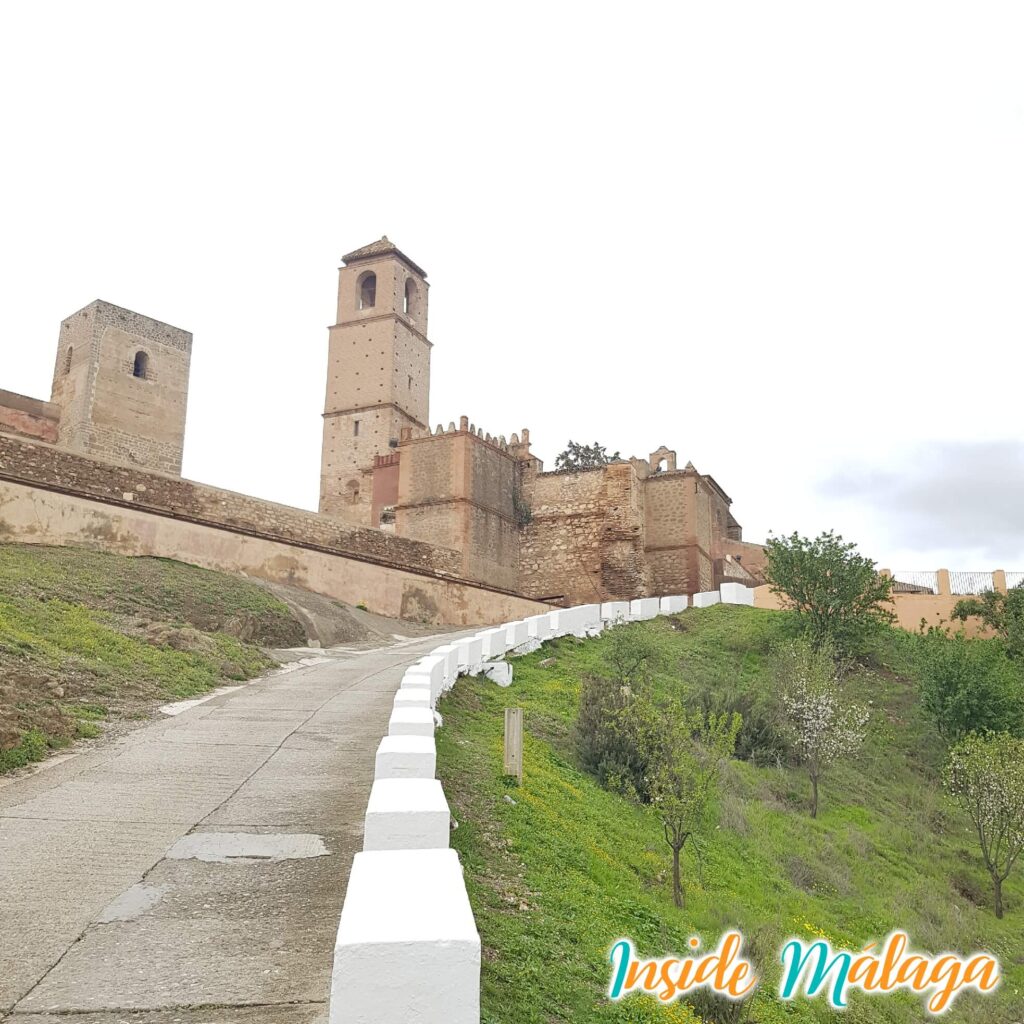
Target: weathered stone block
<point x="707" y="599"/>
<point x="499" y="672"/>
<point x="672" y="605"/>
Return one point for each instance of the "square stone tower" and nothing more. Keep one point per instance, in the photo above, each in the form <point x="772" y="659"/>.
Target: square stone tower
<point x="121" y="384"/>
<point x="378" y="373"/>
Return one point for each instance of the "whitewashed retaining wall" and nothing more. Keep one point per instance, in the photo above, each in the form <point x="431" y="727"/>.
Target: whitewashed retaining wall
<point x="406" y="912"/>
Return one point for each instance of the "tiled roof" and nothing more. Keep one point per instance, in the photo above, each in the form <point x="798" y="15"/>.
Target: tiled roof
<point x="383" y="247"/>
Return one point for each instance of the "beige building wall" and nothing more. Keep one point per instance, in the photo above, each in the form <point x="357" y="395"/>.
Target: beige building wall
<point x="378" y="374"/>
<point x="121" y="384"/>
<point x="913" y="611"/>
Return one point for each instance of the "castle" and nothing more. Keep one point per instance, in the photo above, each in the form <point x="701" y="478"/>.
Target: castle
<point x="453" y="503"/>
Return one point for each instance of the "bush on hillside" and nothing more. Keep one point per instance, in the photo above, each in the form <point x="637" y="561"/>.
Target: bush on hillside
<point x="970" y="686"/>
<point x="763" y="738"/>
<point x="604" y="738"/>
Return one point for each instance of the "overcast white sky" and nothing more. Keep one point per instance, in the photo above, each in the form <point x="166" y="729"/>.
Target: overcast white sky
<point x="785" y="239"/>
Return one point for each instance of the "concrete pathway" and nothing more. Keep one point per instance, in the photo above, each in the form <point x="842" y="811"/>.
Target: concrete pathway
<point x="193" y="872"/>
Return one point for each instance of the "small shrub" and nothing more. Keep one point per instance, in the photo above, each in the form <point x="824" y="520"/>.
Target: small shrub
<point x="32" y="747"/>
<point x="604" y="742"/>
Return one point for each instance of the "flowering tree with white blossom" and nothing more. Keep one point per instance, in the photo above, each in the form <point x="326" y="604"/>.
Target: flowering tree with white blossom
<point x="823" y="726"/>
<point x="985" y="774"/>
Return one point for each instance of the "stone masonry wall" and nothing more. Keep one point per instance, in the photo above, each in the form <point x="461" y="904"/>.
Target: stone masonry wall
<point x="106" y="410"/>
<point x="41" y="465"/>
<point x="456" y="489"/>
<point x="585" y="539"/>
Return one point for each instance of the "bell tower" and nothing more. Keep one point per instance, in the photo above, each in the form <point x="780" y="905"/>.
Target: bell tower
<point x="378" y="373"/>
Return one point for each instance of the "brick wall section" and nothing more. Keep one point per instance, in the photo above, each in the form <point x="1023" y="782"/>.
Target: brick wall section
<point x="52" y="468"/>
<point x="29" y="417"/>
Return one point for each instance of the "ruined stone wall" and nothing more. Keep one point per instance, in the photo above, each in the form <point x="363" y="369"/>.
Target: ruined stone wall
<point x="752" y="557"/>
<point x="29" y="417"/>
<point x="585" y="537"/>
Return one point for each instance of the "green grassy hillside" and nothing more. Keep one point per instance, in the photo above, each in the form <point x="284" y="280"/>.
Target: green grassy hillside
<point x="559" y="868"/>
<point x="85" y="635"/>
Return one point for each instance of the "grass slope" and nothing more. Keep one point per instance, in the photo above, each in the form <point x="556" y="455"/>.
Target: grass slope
<point x="85" y="635"/>
<point x="560" y="868"/>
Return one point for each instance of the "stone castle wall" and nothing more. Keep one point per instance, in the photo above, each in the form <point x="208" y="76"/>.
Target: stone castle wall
<point x="55" y="497"/>
<point x="457" y="488"/>
<point x="585" y="538"/>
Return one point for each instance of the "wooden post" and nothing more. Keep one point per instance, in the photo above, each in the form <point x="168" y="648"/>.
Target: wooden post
<point x="514" y="743"/>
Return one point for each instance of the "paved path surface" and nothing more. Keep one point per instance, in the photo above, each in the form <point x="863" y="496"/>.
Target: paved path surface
<point x="193" y="872"/>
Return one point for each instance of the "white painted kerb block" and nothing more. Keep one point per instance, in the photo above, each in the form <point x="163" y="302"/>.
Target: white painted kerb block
<point x="494" y="643"/>
<point x="539" y="626"/>
<point x="411" y="722"/>
<point x="450" y="654"/>
<point x="736" y="593"/>
<point x="406" y="757"/>
<point x="590" y="619"/>
<point x="615" y="611"/>
<point x="407" y="814"/>
<point x="567" y="622"/>
<point x="413" y="697"/>
<point x="407" y="949"/>
<point x="470" y="655"/>
<point x="671" y="605"/>
<point x="431" y="667"/>
<point x="516" y="634"/>
<point x="644" y="608"/>
<point x="707" y="599"/>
